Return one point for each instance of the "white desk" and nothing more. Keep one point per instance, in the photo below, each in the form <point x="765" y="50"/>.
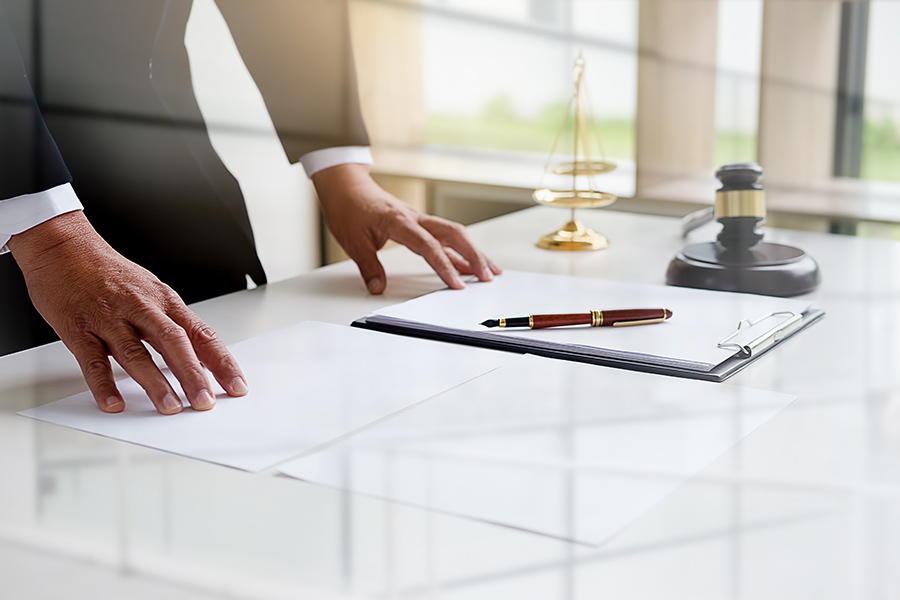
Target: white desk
<point x="806" y="507"/>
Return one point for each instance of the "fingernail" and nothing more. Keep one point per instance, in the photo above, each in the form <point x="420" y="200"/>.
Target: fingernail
<point x="239" y="386"/>
<point x="113" y="404"/>
<point x="171" y="404"/>
<point x="459" y="283"/>
<point x="374" y="285"/>
<point x="204" y="401"/>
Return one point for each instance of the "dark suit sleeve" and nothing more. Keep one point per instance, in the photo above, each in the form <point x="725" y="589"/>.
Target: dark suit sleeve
<point x="29" y="159"/>
<point x="300" y="55"/>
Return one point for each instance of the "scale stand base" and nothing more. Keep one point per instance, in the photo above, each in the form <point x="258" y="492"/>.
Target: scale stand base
<point x="573" y="237"/>
<point x="768" y="269"/>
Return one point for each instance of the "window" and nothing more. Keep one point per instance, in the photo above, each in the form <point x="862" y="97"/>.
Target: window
<point x="677" y="88"/>
<point x="499" y="74"/>
<point x="881" y="113"/>
<point x="738" y="52"/>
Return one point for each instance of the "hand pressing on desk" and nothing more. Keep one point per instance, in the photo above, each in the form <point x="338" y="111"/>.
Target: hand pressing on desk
<point x="363" y="217"/>
<point x="101" y="304"/>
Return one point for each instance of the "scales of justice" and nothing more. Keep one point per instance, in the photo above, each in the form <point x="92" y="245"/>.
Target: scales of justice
<point x="574" y="235"/>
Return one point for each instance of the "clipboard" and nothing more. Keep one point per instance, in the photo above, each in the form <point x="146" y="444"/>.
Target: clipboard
<point x="767" y="341"/>
<point x="718" y="333"/>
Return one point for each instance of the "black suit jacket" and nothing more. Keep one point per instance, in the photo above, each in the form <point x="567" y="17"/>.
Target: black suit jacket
<point x="112" y="82"/>
<point x="29" y="159"/>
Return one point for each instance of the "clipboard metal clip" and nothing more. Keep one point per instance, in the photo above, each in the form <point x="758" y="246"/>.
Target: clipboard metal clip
<point x="770" y="337"/>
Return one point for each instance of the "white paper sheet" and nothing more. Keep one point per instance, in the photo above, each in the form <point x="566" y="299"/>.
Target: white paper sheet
<point x="700" y="317"/>
<point x="309" y="384"/>
<point x="564" y="449"/>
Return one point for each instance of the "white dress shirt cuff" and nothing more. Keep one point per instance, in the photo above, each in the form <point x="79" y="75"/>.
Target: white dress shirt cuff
<point x="318" y="160"/>
<point x="24" y="212"/>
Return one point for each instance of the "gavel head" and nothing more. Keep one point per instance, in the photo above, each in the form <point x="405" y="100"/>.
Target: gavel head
<point x="740" y="205"/>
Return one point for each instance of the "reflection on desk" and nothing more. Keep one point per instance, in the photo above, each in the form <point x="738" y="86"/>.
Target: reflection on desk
<point x="564" y="449"/>
<point x="808" y="506"/>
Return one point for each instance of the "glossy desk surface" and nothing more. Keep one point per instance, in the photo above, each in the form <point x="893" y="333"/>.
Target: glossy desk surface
<point x="808" y="506"/>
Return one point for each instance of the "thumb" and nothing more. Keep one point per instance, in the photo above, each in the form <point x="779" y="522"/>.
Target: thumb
<point x="372" y="272"/>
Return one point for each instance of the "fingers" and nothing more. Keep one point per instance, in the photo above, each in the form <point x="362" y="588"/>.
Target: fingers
<point x="422" y="242"/>
<point x="463" y="266"/>
<point x="454" y="236"/>
<point x="371" y="270"/>
<point x="210" y="350"/>
<point x="171" y="340"/>
<point x="185" y="342"/>
<point x="92" y="357"/>
<point x="129" y="351"/>
<point x="459" y="263"/>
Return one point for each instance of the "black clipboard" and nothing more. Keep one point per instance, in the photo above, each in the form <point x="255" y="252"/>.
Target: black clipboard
<point x="744" y="355"/>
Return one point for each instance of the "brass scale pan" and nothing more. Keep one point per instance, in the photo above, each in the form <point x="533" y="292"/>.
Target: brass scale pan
<point x="577" y="198"/>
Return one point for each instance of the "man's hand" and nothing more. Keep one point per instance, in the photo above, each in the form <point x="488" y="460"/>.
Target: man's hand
<point x="363" y="217"/>
<point x="101" y="304"/>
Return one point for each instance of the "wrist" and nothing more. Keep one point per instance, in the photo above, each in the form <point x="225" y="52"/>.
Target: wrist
<point x="43" y="243"/>
<point x="341" y="178"/>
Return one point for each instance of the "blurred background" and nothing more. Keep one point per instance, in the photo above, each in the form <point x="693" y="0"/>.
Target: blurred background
<point x="464" y="99"/>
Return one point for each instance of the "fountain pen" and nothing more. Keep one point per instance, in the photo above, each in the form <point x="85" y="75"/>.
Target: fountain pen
<point x="595" y="318"/>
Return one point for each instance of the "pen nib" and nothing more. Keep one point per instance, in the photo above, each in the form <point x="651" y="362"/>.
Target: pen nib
<point x="490" y="323"/>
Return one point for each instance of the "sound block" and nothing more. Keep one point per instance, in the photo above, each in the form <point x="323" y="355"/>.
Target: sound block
<point x="768" y="269"/>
